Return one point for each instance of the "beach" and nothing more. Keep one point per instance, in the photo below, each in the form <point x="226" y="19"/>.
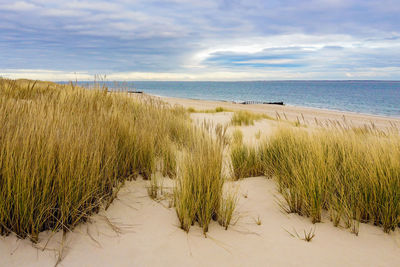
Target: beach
<point x="139" y="231"/>
<point x="199" y="133"/>
<point x="149" y="235"/>
<point x="292" y="113"/>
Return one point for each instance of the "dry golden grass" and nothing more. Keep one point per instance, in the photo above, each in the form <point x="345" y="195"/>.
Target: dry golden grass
<point x="243" y="117"/>
<point x="227" y="207"/>
<point x="353" y="173"/>
<point x="245" y="160"/>
<point x="199" y="187"/>
<point x="216" y="110"/>
<point x="65" y="150"/>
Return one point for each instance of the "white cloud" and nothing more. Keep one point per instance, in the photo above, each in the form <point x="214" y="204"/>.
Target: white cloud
<point x="199" y="40"/>
<point x="268" y="61"/>
<point x="57" y="12"/>
<point x="52" y="75"/>
<point x="18" y="6"/>
<point x="44" y="75"/>
<point x="206" y="75"/>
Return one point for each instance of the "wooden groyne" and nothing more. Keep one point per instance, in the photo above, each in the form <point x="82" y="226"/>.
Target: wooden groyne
<point x="261" y="102"/>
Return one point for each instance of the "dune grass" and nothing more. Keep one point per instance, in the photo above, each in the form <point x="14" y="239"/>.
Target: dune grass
<point x="246" y="160"/>
<point x="216" y="110"/>
<point x="227" y="207"/>
<point x="199" y="187"/>
<point x="237" y="137"/>
<point x="353" y="174"/>
<point x="199" y="195"/>
<point x="65" y="150"/>
<point x="244" y="117"/>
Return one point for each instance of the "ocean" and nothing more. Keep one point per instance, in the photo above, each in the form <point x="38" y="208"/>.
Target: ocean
<point x="369" y="97"/>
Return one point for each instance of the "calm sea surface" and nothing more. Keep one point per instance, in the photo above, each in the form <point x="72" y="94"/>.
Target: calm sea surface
<point x="371" y="97"/>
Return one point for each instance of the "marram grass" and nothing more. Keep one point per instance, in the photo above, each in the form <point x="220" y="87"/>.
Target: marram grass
<point x="246" y="160"/>
<point x="64" y="151"/>
<point x="198" y="194"/>
<point x="354" y="175"/>
<point x="216" y="110"/>
<point x="244" y="117"/>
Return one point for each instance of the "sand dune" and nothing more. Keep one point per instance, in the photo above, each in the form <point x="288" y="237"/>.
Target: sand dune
<point x="148" y="235"/>
<point x="138" y="231"/>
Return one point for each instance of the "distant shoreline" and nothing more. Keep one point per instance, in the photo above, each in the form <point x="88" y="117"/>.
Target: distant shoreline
<point x="292" y="112"/>
<point x="342" y="112"/>
<point x="239" y="81"/>
<point x="365" y="97"/>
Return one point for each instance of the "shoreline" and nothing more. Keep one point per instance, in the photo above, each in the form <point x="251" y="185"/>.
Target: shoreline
<point x="308" y="114"/>
<point x="381" y="116"/>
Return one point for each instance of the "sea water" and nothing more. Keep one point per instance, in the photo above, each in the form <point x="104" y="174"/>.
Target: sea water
<point x="369" y="97"/>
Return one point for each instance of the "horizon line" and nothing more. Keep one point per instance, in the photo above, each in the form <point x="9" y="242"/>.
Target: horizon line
<point x="291" y="80"/>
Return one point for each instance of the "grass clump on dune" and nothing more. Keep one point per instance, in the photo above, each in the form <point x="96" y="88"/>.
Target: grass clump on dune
<point x="216" y="110"/>
<point x="65" y="150"/>
<point x="244" y="117"/>
<point x="246" y="160"/>
<point x="227" y="207"/>
<point x="353" y="175"/>
<point x="199" y="186"/>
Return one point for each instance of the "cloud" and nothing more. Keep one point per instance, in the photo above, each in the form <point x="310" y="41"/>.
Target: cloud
<point x="17" y="6"/>
<point x="55" y="12"/>
<point x="207" y="39"/>
<point x="49" y="75"/>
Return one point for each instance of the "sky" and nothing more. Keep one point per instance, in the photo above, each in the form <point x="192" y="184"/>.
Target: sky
<point x="200" y="39"/>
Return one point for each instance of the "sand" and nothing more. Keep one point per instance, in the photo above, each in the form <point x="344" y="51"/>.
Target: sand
<point x="138" y="231"/>
<point x="292" y="113"/>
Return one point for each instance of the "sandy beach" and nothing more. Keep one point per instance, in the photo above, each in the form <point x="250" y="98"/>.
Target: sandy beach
<point x="199" y="133"/>
<point x="148" y="234"/>
<point x="292" y="113"/>
<point x="138" y="231"/>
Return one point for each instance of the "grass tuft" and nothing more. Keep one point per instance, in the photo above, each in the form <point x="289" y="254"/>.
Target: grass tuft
<point x="243" y="117"/>
<point x="307" y="235"/>
<point x="227" y="207"/>
<point x="216" y="110"/>
<point x="198" y="190"/>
